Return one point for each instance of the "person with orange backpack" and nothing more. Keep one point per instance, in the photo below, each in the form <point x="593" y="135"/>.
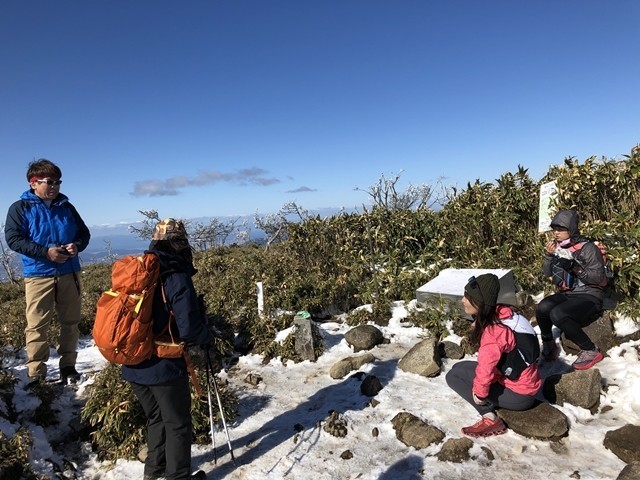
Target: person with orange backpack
<point x="577" y="268"/>
<point x="160" y="384"/>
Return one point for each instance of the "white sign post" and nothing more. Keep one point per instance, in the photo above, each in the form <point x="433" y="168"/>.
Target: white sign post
<point x="260" y="299"/>
<point x="548" y="192"/>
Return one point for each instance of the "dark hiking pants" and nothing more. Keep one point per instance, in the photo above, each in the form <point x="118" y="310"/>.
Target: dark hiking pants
<point x="167" y="407"/>
<point x="460" y="379"/>
<point x="570" y="313"/>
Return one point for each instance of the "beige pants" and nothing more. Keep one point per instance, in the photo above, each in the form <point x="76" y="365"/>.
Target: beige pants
<point x="43" y="295"/>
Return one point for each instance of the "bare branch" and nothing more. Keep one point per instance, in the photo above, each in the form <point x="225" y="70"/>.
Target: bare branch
<point x="8" y="260"/>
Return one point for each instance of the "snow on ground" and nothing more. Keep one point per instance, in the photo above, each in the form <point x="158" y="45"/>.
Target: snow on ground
<point x="278" y="433"/>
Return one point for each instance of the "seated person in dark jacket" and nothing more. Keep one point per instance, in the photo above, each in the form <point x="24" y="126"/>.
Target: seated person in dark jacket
<point x="576" y="267"/>
<point x="162" y="384"/>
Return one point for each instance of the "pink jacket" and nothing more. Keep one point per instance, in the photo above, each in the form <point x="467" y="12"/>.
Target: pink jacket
<point x="496" y="340"/>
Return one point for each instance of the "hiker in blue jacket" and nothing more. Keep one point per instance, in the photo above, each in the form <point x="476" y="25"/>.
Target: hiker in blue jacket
<point x="47" y="231"/>
<point x="576" y="267"/>
<point x="161" y="385"/>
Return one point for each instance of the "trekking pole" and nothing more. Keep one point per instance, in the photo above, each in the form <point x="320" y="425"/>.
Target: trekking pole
<point x="213" y="437"/>
<point x="215" y="388"/>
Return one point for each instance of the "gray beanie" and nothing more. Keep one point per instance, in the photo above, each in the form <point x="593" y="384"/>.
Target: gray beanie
<point x="483" y="289"/>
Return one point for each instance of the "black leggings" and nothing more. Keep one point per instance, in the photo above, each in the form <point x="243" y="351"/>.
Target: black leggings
<point x="460" y="379"/>
<point x="570" y="313"/>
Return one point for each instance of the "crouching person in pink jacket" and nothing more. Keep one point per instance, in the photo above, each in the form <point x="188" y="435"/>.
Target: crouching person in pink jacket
<point x="506" y="373"/>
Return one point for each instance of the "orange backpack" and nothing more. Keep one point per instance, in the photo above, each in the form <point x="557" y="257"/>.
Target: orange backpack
<point x="123" y="328"/>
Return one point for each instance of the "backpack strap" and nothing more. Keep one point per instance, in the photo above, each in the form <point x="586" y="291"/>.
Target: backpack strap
<point x="185" y="353"/>
<point x="192" y="373"/>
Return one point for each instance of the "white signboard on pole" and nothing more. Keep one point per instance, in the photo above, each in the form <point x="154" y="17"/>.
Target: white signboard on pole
<point x="548" y="192"/>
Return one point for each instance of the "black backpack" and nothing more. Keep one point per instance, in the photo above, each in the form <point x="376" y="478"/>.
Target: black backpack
<point x="526" y="352"/>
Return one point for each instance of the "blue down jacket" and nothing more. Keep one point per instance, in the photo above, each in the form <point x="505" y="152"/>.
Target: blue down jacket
<point x="32" y="228"/>
<point x="175" y="274"/>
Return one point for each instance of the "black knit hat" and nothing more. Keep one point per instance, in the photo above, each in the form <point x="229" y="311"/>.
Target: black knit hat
<point x="483" y="289"/>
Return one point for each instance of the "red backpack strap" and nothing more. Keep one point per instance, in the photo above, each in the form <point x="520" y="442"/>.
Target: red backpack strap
<point x="192" y="373"/>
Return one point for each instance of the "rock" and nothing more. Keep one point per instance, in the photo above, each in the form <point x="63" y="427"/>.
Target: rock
<point x="304" y="342"/>
<point x="624" y="442"/>
<point x="413" y="432"/>
<point x="560" y="447"/>
<point x="342" y="367"/>
<point x="629" y="338"/>
<point x="335" y="425"/>
<point x="371" y="386"/>
<point x="253" y="379"/>
<point x="600" y="331"/>
<point x="363" y="337"/>
<point x="375" y="432"/>
<point x="346" y="455"/>
<point x="448" y="349"/>
<point x="490" y="456"/>
<point x="580" y="388"/>
<point x="423" y="359"/>
<point x="543" y="422"/>
<point x="630" y="472"/>
<point x="455" y="450"/>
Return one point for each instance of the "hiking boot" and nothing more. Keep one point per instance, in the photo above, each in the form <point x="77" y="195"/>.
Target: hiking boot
<point x="199" y="475"/>
<point x="34" y="382"/>
<point x="69" y="375"/>
<point x="485" y="427"/>
<point x="549" y="352"/>
<point x="587" y="359"/>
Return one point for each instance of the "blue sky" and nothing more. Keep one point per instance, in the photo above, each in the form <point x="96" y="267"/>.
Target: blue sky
<point x="215" y="108"/>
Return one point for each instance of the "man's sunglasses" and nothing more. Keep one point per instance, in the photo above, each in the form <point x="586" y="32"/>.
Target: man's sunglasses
<point x="50" y="182"/>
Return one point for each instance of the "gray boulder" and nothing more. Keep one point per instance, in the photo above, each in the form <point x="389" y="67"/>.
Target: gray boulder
<point x="370" y="386"/>
<point x="580" y="388"/>
<point x="364" y="337"/>
<point x="304" y="341"/>
<point x="630" y="472"/>
<point x="543" y="422"/>
<point x="343" y="367"/>
<point x="455" y="450"/>
<point x="451" y="350"/>
<point x="423" y="359"/>
<point x="624" y="442"/>
<point x="413" y="432"/>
